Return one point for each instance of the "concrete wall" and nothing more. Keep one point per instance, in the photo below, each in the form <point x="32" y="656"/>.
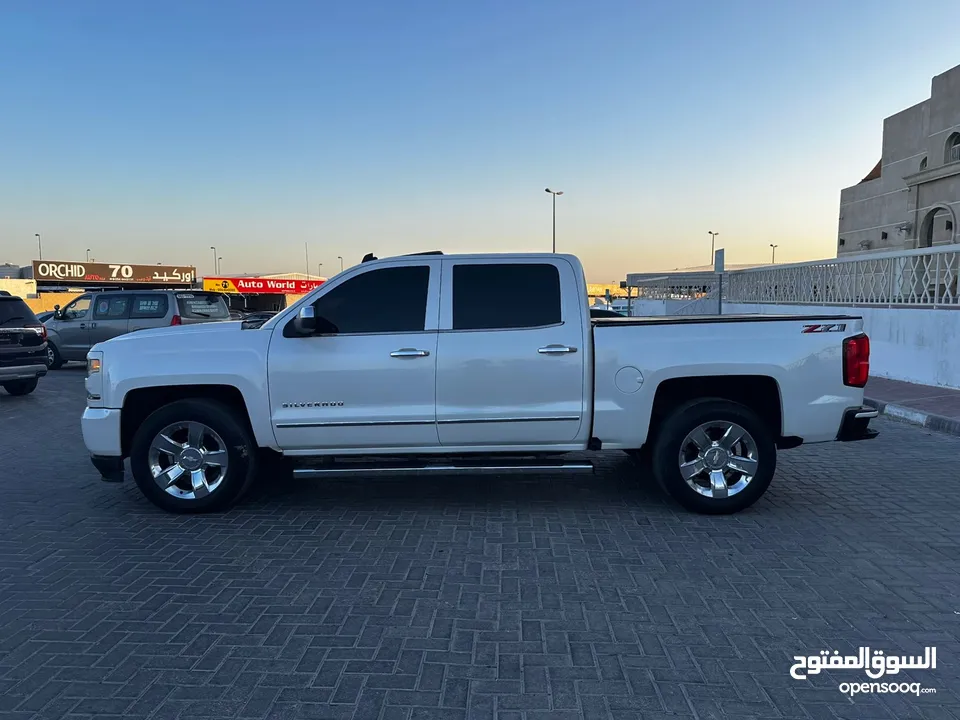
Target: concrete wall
<point x="921" y="346"/>
<point x="20" y="288"/>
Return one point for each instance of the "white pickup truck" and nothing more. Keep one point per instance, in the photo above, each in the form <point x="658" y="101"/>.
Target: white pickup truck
<point x="435" y="363"/>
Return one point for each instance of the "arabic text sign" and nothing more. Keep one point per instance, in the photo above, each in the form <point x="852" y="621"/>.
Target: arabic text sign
<point x="875" y="664"/>
<point x="254" y="285"/>
<point x="97" y="272"/>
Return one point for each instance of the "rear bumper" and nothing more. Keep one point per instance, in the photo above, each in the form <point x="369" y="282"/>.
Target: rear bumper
<point x="23" y="372"/>
<point x="111" y="468"/>
<point x="856" y="424"/>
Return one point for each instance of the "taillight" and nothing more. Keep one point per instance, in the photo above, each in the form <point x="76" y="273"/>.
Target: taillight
<point x="43" y="330"/>
<point x="176" y="320"/>
<point x="856" y="360"/>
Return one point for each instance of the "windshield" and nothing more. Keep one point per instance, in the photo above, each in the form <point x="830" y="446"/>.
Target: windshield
<point x="204" y="306"/>
<point x="15" y="312"/>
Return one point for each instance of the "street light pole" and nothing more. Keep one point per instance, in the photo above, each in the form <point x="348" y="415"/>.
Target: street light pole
<point x="319" y="265"/>
<point x="219" y="260"/>
<point x="554" y="193"/>
<point x="306" y="255"/>
<point x="216" y="271"/>
<point x="39" y="245"/>
<point x="773" y="256"/>
<point x="88" y="254"/>
<point x="341" y="262"/>
<point x="713" y="244"/>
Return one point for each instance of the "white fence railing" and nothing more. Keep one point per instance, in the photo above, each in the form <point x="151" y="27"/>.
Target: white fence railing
<point x="905" y="278"/>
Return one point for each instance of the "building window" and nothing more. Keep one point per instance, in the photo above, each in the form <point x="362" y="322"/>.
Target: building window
<point x="952" y="153"/>
<point x="923" y="165"/>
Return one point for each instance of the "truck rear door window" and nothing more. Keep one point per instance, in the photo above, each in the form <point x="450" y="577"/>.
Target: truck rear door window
<point x="202" y="306"/>
<point x="500" y="296"/>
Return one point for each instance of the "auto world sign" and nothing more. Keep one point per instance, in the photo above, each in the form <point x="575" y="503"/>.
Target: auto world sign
<point x="255" y="285"/>
<point x="109" y="273"/>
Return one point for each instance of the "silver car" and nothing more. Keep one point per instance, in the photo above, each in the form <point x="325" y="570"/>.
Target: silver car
<point x="98" y="316"/>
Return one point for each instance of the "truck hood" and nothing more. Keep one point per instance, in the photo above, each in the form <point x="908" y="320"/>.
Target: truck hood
<point x="198" y="328"/>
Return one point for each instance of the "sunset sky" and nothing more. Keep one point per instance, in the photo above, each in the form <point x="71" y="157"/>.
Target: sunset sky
<point x="149" y="133"/>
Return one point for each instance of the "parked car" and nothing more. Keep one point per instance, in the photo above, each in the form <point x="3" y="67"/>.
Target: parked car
<point x="23" y="346"/>
<point x="596" y="312"/>
<point x="99" y="316"/>
<point x="452" y="376"/>
<point x="258" y="317"/>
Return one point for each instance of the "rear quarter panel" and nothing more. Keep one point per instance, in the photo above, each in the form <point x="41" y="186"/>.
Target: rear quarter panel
<point x="807" y="368"/>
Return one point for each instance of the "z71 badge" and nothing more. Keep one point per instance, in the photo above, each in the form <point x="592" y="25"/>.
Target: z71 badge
<point x="841" y="327"/>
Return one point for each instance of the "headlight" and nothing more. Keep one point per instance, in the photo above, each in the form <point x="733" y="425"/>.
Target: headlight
<point x="94" y="381"/>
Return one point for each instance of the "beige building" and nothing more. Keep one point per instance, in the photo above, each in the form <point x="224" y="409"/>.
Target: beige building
<point x="911" y="198"/>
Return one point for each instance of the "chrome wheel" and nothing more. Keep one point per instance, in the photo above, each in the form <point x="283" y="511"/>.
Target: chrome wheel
<point x="718" y="459"/>
<point x="51" y="356"/>
<point x="188" y="460"/>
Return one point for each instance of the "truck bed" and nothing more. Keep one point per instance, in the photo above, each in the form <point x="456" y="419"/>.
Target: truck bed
<point x="697" y="319"/>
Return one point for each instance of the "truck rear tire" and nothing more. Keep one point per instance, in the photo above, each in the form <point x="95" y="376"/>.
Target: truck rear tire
<point x="193" y="456"/>
<point x="714" y="456"/>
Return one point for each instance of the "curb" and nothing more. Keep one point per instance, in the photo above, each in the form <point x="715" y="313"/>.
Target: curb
<point x="930" y="421"/>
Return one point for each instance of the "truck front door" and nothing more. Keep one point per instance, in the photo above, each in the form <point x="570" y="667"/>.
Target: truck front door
<point x="367" y="378"/>
<point x="511" y="354"/>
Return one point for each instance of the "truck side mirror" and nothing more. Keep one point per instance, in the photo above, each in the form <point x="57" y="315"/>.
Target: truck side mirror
<point x="56" y="312"/>
<point x="306" y="320"/>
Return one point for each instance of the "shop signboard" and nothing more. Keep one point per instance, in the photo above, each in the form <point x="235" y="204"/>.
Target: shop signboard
<point x="78" y="273"/>
<point x="260" y="285"/>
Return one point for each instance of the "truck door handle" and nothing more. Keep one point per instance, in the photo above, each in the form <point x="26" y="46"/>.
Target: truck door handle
<point x="556" y="350"/>
<point x="409" y="352"/>
<point x="83" y="325"/>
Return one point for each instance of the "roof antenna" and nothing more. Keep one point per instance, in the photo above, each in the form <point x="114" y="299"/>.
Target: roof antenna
<point x="368" y="257"/>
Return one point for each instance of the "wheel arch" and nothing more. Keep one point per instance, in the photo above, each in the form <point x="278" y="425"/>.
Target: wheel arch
<point x="760" y="393"/>
<point x="139" y="403"/>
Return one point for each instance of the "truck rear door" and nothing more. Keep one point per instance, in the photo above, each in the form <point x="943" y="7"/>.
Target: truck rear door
<point x="511" y="353"/>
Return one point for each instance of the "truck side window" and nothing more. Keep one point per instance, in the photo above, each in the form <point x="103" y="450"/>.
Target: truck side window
<point x="497" y="296"/>
<point x="388" y="300"/>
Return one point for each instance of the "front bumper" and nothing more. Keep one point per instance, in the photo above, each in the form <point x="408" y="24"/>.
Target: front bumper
<point x="101" y="431"/>
<point x="855" y="424"/>
<point x="23" y="372"/>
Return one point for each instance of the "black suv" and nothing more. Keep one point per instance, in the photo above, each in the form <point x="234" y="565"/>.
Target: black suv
<point x="23" y="346"/>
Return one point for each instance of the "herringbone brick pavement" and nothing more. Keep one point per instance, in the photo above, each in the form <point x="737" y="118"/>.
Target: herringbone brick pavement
<point x="545" y="598"/>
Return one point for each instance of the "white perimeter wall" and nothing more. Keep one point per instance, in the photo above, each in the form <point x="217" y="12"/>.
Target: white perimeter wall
<point x="921" y="346"/>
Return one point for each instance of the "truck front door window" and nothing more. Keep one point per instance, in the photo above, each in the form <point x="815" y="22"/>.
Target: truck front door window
<point x="389" y="300"/>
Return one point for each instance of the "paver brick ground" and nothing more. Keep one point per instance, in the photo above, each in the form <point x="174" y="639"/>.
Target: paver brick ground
<point x="560" y="598"/>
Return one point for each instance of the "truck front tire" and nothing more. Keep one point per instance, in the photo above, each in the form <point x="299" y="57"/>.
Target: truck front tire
<point x="714" y="456"/>
<point x="193" y="456"/>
